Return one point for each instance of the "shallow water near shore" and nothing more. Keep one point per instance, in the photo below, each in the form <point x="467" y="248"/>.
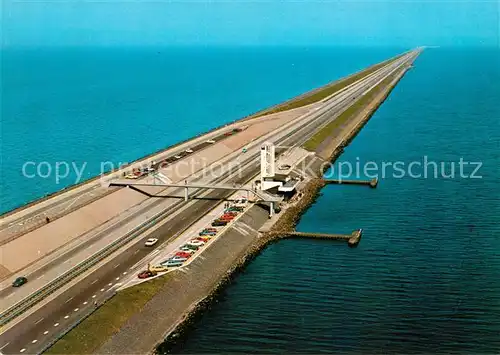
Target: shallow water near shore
<point x="426" y="275"/>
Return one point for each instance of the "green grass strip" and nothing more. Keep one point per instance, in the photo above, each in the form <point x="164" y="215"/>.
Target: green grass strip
<point x="313" y="143"/>
<point x="88" y="336"/>
<point x="320" y="94"/>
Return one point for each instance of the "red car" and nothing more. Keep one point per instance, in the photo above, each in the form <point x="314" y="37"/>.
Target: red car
<point x="145" y="274"/>
<point x="183" y="254"/>
<point x="203" y="239"/>
<point x="226" y="217"/>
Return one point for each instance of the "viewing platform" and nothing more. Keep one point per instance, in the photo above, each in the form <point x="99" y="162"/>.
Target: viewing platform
<point x="352" y="239"/>
<point x="372" y="183"/>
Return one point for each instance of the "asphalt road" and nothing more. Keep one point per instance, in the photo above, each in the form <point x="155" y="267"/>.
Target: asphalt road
<point x="32" y="333"/>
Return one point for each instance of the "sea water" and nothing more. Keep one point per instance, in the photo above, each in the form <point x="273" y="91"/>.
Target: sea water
<point x="426" y="276"/>
<point x="78" y="111"/>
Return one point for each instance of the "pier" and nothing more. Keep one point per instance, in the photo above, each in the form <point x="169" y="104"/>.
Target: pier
<point x="352" y="239"/>
<point x="372" y="183"/>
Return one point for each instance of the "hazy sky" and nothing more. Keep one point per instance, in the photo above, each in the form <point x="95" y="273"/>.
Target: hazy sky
<point x="272" y="22"/>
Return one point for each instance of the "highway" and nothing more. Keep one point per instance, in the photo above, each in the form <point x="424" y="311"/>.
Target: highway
<point x="35" y="331"/>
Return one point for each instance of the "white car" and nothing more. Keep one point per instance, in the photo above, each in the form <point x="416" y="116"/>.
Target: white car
<point x="196" y="243"/>
<point x="177" y="157"/>
<point x="189" y="150"/>
<point x="150" y="242"/>
<point x="211" y="141"/>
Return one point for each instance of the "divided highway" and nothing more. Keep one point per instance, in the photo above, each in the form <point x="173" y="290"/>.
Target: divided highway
<point x="34" y="333"/>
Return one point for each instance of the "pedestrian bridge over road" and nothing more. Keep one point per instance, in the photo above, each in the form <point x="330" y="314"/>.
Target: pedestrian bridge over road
<point x="261" y="196"/>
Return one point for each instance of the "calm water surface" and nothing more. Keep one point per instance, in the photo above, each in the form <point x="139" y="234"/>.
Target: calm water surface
<point x="426" y="276"/>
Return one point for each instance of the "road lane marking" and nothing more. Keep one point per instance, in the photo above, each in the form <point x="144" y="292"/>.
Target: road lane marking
<point x="46" y="332"/>
<point x="93" y="282"/>
<point x="4" y="346"/>
<point x="55" y="325"/>
<point x="39" y="277"/>
<point x="9" y="296"/>
<point x="38" y="321"/>
<point x="135" y="252"/>
<point x="67" y="261"/>
<point x="69" y="299"/>
<point x="114" y="267"/>
<point x="76" y="309"/>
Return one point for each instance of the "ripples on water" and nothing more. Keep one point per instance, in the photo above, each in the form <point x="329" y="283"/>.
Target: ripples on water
<point x="426" y="275"/>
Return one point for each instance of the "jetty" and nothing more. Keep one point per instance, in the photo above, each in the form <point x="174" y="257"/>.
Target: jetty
<point x="352" y="239"/>
<point x="372" y="183"/>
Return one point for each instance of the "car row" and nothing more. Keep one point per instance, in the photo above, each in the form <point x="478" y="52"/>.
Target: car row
<point x="187" y="250"/>
<point x="140" y="172"/>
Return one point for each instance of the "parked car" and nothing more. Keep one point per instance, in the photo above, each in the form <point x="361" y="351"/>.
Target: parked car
<point x="187" y="248"/>
<point x="218" y="223"/>
<point x="171" y="263"/>
<point x="145" y="274"/>
<point x="196" y="243"/>
<point x="157" y="268"/>
<point x="177" y="258"/>
<point x="183" y="254"/>
<point x="204" y="232"/>
<point x="235" y="209"/>
<point x="211" y="141"/>
<point x="203" y="239"/>
<point x="150" y="242"/>
<point x="18" y="282"/>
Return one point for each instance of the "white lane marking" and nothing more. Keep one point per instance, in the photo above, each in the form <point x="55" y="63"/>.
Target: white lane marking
<point x="4" y="346"/>
<point x="22" y="350"/>
<point x="39" y="277"/>
<point x="66" y="317"/>
<point x="114" y="267"/>
<point x="118" y="284"/>
<point x="55" y="325"/>
<point x="93" y="296"/>
<point x="46" y="332"/>
<point x="9" y="296"/>
<point x="67" y="261"/>
<point x="38" y="321"/>
<point x="34" y="341"/>
<point x="69" y="299"/>
<point x="93" y="282"/>
<point x="155" y="252"/>
<point x="76" y="309"/>
<point x="135" y="252"/>
<point x="85" y="302"/>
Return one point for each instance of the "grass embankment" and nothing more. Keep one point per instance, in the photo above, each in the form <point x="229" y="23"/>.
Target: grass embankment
<point x="313" y="143"/>
<point x="88" y="336"/>
<point x="321" y="93"/>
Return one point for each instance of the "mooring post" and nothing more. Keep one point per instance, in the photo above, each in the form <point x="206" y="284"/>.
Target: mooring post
<point x="186" y="194"/>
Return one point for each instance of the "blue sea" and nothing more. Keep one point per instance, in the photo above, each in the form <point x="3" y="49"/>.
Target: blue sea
<point x="426" y="275"/>
<point x="83" y="107"/>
